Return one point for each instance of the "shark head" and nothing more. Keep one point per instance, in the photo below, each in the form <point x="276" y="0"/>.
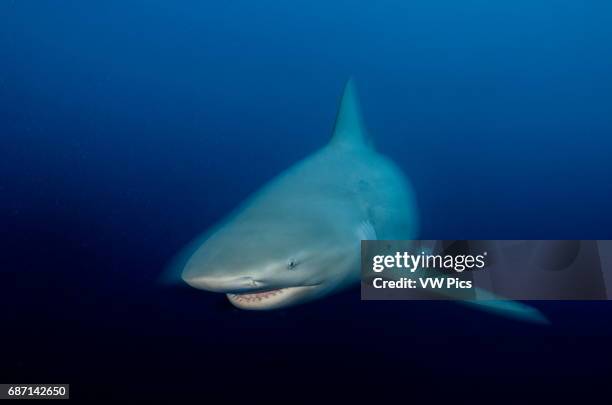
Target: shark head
<point x="298" y="238"/>
<point x="267" y="262"/>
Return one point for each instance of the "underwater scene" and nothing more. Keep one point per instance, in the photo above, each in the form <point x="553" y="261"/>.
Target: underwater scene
<point x="184" y="187"/>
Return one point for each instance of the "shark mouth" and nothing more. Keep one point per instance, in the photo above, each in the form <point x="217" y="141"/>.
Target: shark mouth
<point x="268" y="299"/>
<point x="256" y="296"/>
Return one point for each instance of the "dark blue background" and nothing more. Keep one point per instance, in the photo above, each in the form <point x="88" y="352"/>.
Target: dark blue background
<point x="126" y="128"/>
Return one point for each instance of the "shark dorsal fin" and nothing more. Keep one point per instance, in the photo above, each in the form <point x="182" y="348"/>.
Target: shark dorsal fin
<point x="349" y="129"/>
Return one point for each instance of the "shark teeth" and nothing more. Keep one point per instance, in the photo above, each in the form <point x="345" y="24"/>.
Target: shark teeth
<point x="257" y="296"/>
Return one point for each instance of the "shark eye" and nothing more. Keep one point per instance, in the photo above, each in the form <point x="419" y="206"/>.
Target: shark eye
<point x="292" y="264"/>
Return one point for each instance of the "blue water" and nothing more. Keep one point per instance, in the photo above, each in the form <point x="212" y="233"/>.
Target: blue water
<point x="127" y="128"/>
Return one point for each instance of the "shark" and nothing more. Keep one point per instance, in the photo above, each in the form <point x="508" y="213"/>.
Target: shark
<point x="298" y="238"/>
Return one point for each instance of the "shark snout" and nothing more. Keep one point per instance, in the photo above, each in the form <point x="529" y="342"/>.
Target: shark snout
<point x="222" y="284"/>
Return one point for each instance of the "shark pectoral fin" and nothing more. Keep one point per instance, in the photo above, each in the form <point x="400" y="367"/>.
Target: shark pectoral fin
<point x="487" y="301"/>
<point x="349" y="129"/>
<point x="490" y="302"/>
<point x="171" y="276"/>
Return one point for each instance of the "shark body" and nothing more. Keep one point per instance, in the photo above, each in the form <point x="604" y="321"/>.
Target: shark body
<point x="298" y="238"/>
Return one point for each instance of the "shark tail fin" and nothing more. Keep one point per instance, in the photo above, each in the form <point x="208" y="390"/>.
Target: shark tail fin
<point x="349" y="129"/>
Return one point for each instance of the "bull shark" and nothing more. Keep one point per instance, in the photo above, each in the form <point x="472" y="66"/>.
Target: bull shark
<point x="298" y="238"/>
